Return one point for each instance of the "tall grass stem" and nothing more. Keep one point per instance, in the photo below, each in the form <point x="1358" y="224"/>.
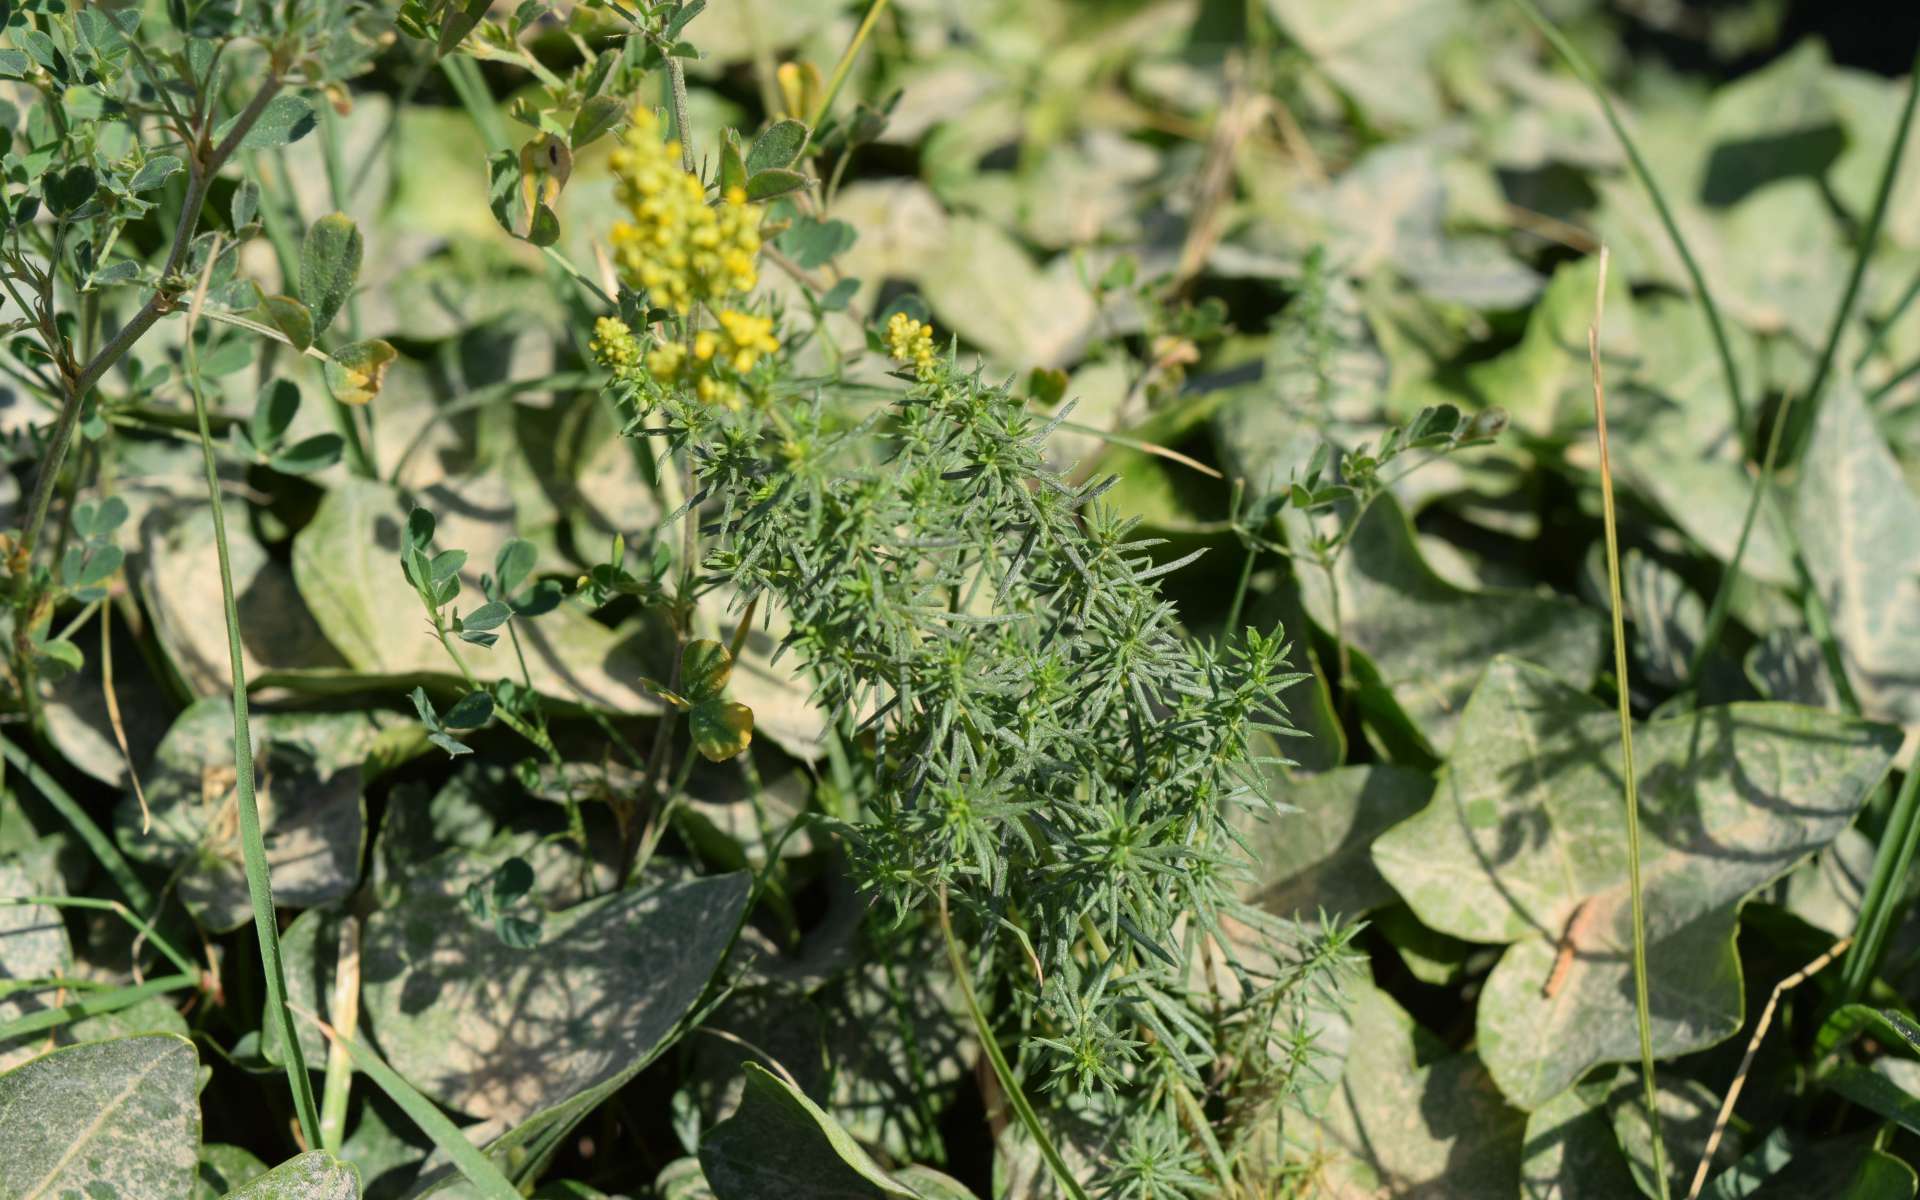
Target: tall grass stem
<point x="1641" y="1007"/>
<point x="1581" y="68"/>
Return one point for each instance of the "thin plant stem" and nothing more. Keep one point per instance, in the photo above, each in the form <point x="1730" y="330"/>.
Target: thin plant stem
<point x="1899" y="377"/>
<point x="1746" y="1062"/>
<point x="252" y="843"/>
<point x="70" y="811"/>
<point x="162" y="302"/>
<point x="468" y="84"/>
<point x="1891" y="863"/>
<point x="682" y="127"/>
<point x="120" y="910"/>
<point x="1885" y="325"/>
<point x="468" y="1158"/>
<point x="1723" y="593"/>
<point x="840" y="69"/>
<point x="345" y="1008"/>
<point x="1869" y="236"/>
<point x="1009" y="1082"/>
<point x="1642" y="1009"/>
<point x="94" y="1004"/>
<point x="1581" y="68"/>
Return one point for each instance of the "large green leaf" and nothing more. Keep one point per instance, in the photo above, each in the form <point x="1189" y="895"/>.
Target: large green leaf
<point x="1409" y="1119"/>
<point x="347" y="563"/>
<point x="781" y="1143"/>
<point x="1859" y="525"/>
<point x="1570" y="1151"/>
<point x="1427" y="640"/>
<point x="116" y="1120"/>
<point x="1376" y="51"/>
<point x="310" y="770"/>
<point x="506" y="1033"/>
<point x="1525" y="843"/>
<point x="179" y="574"/>
<point x="33" y="945"/>
<point x="1318" y="859"/>
<point x="985" y="287"/>
<point x="315" y="1175"/>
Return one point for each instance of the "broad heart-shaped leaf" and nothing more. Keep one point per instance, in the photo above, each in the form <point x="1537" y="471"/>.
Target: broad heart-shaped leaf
<point x="1859" y="525"/>
<point x="1318" y="859"/>
<point x="1525" y="842"/>
<point x="504" y="1033"/>
<point x="315" y="1175"/>
<point x="1408" y="1119"/>
<point x="1424" y="640"/>
<point x="779" y="1143"/>
<point x="104" y="1119"/>
<point x="329" y="264"/>
<point x="312" y="809"/>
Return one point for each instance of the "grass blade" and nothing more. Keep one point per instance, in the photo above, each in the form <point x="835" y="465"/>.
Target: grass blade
<point x="1891" y="862"/>
<point x="252" y="845"/>
<point x="1869" y="235"/>
<point x="1009" y="1082"/>
<point x="70" y="811"/>
<point x="1581" y="68"/>
<point x="1641" y="1007"/>
<point x="1723" y="594"/>
<point x="471" y="1161"/>
<point x="94" y="1004"/>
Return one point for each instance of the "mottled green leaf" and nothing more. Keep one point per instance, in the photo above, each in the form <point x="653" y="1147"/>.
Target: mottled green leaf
<point x="1859" y="526"/>
<point x="315" y="1175"/>
<point x="500" y="1032"/>
<point x="1525" y="843"/>
<point x="329" y="265"/>
<point x="1408" y="1119"/>
<point x="776" y="147"/>
<point x="1422" y="641"/>
<point x="1376" y="51"/>
<point x="1570" y="1151"/>
<point x="309" y="782"/>
<point x="1318" y="858"/>
<point x="287" y="118"/>
<point x="105" y="1119"/>
<point x="781" y="1143"/>
<point x="33" y="945"/>
<point x="290" y="317"/>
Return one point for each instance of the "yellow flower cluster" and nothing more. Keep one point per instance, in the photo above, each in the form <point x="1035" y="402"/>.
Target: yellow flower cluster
<point x="911" y="341"/>
<point x="677" y="247"/>
<point x="614" y="346"/>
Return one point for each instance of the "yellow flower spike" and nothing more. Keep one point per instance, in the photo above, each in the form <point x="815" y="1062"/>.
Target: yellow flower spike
<point x="614" y="346"/>
<point x="911" y="341"/>
<point x="675" y="245"/>
<point x="748" y="337"/>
